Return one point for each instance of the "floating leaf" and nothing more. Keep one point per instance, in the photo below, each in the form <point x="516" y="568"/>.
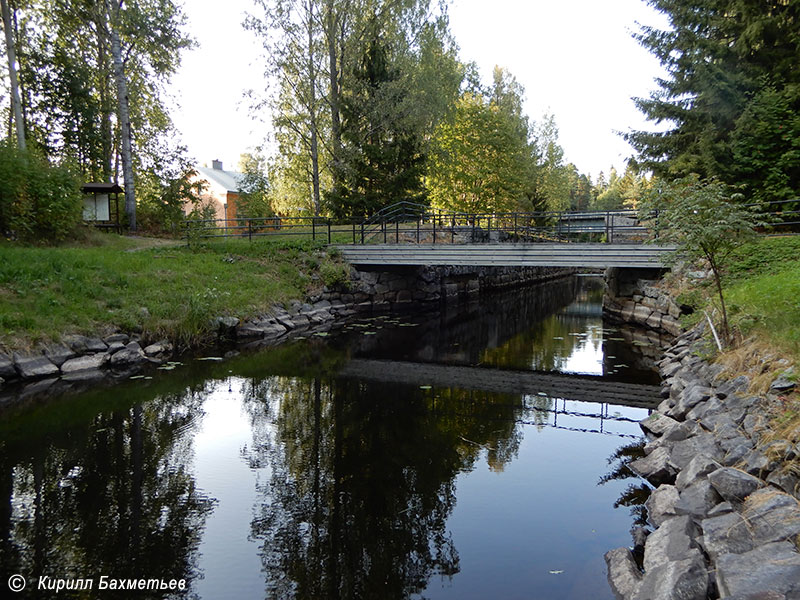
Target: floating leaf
<point x="137" y="377"/>
<point x="213" y="358"/>
<point x="321" y="334"/>
<point x="556" y="572"/>
<point x="558" y="338"/>
<point x="424" y="387"/>
<point x="369" y="333"/>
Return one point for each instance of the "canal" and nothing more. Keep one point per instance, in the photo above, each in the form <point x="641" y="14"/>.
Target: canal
<point x="370" y="462"/>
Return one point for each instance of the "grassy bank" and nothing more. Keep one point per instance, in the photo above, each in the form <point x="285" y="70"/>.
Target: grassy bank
<point x="112" y="283"/>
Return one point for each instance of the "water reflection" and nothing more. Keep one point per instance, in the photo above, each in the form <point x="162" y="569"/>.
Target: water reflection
<point x="274" y="476"/>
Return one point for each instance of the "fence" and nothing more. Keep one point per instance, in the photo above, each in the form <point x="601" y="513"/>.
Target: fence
<point x="415" y="223"/>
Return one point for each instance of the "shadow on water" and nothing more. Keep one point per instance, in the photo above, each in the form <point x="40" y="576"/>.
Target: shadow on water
<point x="272" y="475"/>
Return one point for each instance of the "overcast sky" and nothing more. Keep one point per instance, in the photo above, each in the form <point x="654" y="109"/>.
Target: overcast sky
<point x="575" y="58"/>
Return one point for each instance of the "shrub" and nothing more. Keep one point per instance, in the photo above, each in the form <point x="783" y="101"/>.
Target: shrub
<point x="38" y="201"/>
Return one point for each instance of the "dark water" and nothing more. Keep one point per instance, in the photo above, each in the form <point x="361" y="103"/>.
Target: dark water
<point x="291" y="474"/>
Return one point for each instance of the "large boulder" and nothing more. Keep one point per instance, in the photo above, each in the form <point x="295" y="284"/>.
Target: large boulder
<point x="769" y="569"/>
<point x="734" y="485"/>
<point x="624" y="576"/>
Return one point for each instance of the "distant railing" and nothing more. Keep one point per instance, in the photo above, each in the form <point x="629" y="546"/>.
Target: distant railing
<point x="406" y="222"/>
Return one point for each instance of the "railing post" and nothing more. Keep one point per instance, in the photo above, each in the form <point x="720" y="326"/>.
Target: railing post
<point x="607" y="231"/>
<point x="313" y="228"/>
<point x="362" y="233"/>
<point x="515" y="228"/>
<point x="354" y="231"/>
<point x="434" y="228"/>
<point x="329" y="231"/>
<point x="453" y="229"/>
<point x="249" y="230"/>
<point x="418" y="220"/>
<point x="397" y="232"/>
<point x="383" y="226"/>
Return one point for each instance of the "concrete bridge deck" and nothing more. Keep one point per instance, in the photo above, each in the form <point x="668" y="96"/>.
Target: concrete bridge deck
<point x="583" y="388"/>
<point x="591" y="256"/>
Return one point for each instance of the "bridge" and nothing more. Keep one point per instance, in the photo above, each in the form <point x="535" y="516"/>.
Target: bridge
<point x="589" y="256"/>
<point x="581" y="388"/>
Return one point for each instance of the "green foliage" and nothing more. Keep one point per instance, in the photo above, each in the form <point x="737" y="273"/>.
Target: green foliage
<point x="703" y="218"/>
<point x="478" y="161"/>
<point x="381" y="162"/>
<point x="731" y="96"/>
<point x="39" y="202"/>
<point x="254" y="189"/>
<point x="334" y="273"/>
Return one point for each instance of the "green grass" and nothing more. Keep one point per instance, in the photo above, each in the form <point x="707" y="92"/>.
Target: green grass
<point x="169" y="291"/>
<point x="763" y="291"/>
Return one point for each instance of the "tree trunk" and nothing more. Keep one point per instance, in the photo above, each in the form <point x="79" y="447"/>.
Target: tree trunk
<point x="124" y="120"/>
<point x="312" y="110"/>
<point x="12" y="74"/>
<point x="333" y="95"/>
<point x="106" y="102"/>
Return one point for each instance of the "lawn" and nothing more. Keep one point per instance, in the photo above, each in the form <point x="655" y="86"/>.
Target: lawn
<point x="174" y="291"/>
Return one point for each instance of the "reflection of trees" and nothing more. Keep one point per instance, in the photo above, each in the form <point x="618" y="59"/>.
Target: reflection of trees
<point x="109" y="497"/>
<point x="362" y="481"/>
<point x="635" y="495"/>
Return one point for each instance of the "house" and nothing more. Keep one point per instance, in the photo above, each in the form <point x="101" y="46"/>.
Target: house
<point x="221" y="190"/>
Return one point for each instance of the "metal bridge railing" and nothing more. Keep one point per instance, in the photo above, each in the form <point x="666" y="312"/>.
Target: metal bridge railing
<point x="407" y="222"/>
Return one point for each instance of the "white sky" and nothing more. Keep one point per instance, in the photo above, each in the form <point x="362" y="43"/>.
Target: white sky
<point x="576" y="59"/>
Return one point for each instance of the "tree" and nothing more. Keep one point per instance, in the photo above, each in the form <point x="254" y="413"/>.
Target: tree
<point x="723" y="58"/>
<point x="71" y="84"/>
<point x="254" y="189"/>
<point x="478" y="160"/>
<point x="12" y="75"/>
<point x="704" y="219"/>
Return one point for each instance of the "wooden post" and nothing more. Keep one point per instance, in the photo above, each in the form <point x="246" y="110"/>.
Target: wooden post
<point x="329" y="231"/>
<point x="249" y="230"/>
<point x="397" y="231"/>
<point x="313" y="228"/>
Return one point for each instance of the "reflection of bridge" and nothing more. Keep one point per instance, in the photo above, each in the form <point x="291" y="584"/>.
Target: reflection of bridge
<point x="590" y="256"/>
<point x="584" y="388"/>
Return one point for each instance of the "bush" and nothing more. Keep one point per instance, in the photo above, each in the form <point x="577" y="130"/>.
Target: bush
<point x="38" y="201"/>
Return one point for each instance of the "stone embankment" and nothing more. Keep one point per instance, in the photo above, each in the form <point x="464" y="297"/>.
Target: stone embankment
<point x="724" y="512"/>
<point x="80" y="359"/>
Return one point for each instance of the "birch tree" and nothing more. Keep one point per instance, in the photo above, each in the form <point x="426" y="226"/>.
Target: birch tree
<point x="12" y="74"/>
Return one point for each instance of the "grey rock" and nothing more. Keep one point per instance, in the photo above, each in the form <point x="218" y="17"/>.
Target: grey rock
<point x="685" y="579"/>
<point x="116" y="337"/>
<point x="772" y="568"/>
<point x="95" y="345"/>
<point x="700" y="466"/>
<point x="684" y="451"/>
<point x="673" y="540"/>
<point x="248" y="330"/>
<point x="131" y="354"/>
<point x="624" y="576"/>
<point x="773" y="516"/>
<point x="785" y="479"/>
<point x="59" y="354"/>
<point x="658" y="424"/>
<point x="115" y="347"/>
<point x="784" y="383"/>
<point x="655" y="467"/>
<point x="160" y="347"/>
<point x="721" y="509"/>
<point x="661" y="504"/>
<point x="757" y="463"/>
<point x="34" y="366"/>
<point x="670" y="369"/>
<point x="7" y="369"/>
<point x="734" y="485"/>
<point x="697" y="500"/>
<point x="85" y="363"/>
<point x="727" y="533"/>
<point x="735" y="450"/>
<point x="226" y="324"/>
<point x="738" y="384"/>
<point x="692" y="395"/>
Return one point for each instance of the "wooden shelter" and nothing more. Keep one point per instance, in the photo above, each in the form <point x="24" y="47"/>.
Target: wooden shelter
<point x="101" y="205"/>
